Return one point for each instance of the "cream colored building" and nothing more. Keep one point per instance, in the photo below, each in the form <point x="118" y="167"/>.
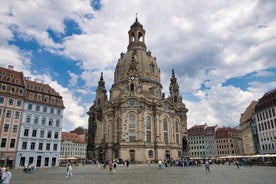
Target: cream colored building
<point x="137" y="122"/>
<point x="249" y="131"/>
<point x="72" y="145"/>
<point x="265" y="117"/>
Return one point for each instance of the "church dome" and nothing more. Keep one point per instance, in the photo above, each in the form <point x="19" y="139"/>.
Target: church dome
<point x="137" y="60"/>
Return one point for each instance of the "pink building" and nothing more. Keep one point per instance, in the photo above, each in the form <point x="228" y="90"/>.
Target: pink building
<point x="12" y="94"/>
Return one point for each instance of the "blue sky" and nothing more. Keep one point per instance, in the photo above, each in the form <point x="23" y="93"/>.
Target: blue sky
<point x="223" y="52"/>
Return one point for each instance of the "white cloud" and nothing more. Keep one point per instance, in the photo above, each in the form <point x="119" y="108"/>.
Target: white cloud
<point x="11" y="55"/>
<point x="74" y="78"/>
<point x="206" y="42"/>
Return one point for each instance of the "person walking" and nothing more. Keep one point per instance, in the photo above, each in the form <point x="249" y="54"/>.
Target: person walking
<point x="69" y="171"/>
<point x="6" y="176"/>
<point x="159" y="164"/>
<point x="207" y="166"/>
<point x="114" y="166"/>
<point x="110" y="167"/>
<point x="237" y="164"/>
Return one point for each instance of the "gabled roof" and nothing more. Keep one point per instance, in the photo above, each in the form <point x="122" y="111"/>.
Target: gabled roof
<point x="73" y="137"/>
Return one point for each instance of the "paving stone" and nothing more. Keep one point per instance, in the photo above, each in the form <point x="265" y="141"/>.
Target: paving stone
<point x="142" y="174"/>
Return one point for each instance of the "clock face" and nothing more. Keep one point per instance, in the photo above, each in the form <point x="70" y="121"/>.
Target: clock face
<point x="132" y="77"/>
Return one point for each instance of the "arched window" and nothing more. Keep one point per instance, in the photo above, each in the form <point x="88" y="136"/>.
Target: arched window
<point x="118" y="128"/>
<point x="150" y="154"/>
<point x="104" y="130"/>
<point x="148" y="122"/>
<point x="148" y="131"/>
<point x="140" y="37"/>
<point x="132" y="37"/>
<point x="176" y="132"/>
<point x="165" y="128"/>
<point x="131" y="126"/>
<point x="131" y="121"/>
<point x="165" y="124"/>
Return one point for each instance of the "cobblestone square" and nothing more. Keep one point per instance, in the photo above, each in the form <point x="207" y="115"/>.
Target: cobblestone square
<point x="142" y="174"/>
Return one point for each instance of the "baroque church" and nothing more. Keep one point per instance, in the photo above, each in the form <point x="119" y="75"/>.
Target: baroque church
<point x="137" y="123"/>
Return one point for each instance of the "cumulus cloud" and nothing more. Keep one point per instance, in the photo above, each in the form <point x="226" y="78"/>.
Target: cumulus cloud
<point x="206" y="43"/>
<point x="74" y="79"/>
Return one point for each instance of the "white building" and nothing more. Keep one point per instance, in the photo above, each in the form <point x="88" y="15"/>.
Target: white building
<point x="40" y="131"/>
<point x="73" y="145"/>
<point x="265" y="117"/>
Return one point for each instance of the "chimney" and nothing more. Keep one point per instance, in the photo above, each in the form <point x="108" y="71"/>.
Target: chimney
<point x="10" y="67"/>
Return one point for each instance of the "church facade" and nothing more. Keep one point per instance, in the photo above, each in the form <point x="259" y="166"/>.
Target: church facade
<point x="137" y="123"/>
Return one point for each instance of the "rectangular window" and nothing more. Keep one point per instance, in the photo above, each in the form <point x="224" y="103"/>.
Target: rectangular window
<point x="40" y="146"/>
<point x="4" y="87"/>
<point x="131" y="135"/>
<point x="26" y="132"/>
<point x="32" y="146"/>
<point x="57" y="122"/>
<point x="177" y="138"/>
<point x="166" y="137"/>
<point x="3" y="142"/>
<point x="53" y="100"/>
<point x="58" y="111"/>
<point x="28" y="119"/>
<point x="10" y="102"/>
<point x="37" y="108"/>
<point x="31" y="96"/>
<point x="12" y="143"/>
<point x="18" y="103"/>
<point x="30" y="106"/>
<point x="6" y="127"/>
<point x="39" y="98"/>
<point x="20" y="92"/>
<point x="8" y="114"/>
<point x="49" y="134"/>
<point x="42" y="133"/>
<point x="34" y="133"/>
<point x="55" y="147"/>
<point x="44" y="109"/>
<point x="52" y="110"/>
<point x="43" y="122"/>
<point x="149" y="136"/>
<point x="1" y="100"/>
<point x="24" y="145"/>
<point x="56" y="135"/>
<point x="50" y="123"/>
<point x="17" y="115"/>
<point x="14" y="129"/>
<point x="48" y="146"/>
<point x="36" y="120"/>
